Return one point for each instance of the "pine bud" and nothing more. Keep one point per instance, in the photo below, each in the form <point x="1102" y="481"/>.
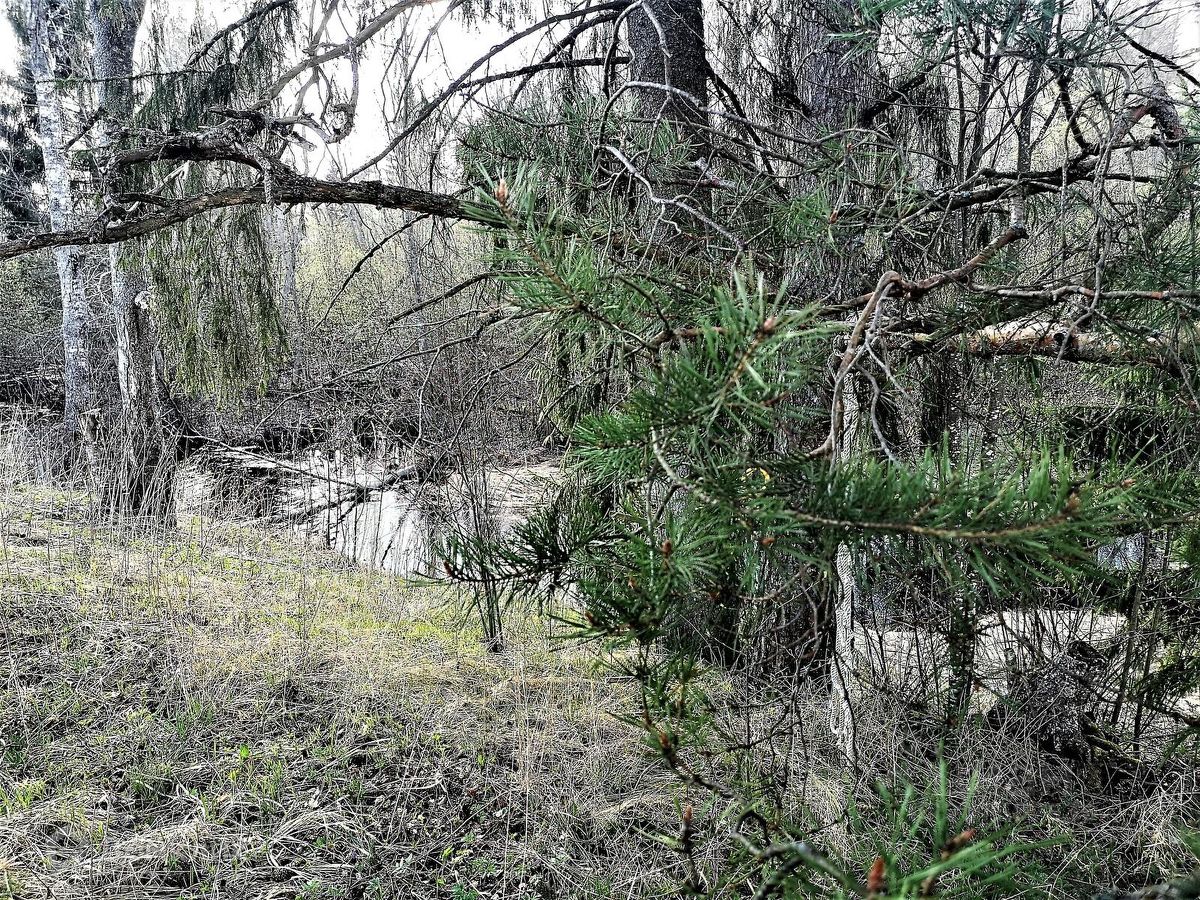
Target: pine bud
<point x="875" y="878"/>
<point x="685" y="830"/>
<point x="957" y="842"/>
<point x="668" y="547"/>
<point x="502" y="192"/>
<point x="767" y="540"/>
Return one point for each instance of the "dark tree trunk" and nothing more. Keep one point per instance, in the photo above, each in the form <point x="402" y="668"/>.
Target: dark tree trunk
<point x="666" y="40"/>
<point x="670" y="66"/>
<point x="820" y="86"/>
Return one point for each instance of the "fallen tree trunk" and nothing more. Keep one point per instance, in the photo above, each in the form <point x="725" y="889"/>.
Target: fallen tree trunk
<point x="1058" y="340"/>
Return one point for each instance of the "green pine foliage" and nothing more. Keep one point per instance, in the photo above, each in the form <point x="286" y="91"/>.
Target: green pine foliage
<point x="698" y="492"/>
<point x="214" y="276"/>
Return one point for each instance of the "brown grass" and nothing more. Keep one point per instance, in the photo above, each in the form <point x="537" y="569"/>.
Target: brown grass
<point x="223" y="713"/>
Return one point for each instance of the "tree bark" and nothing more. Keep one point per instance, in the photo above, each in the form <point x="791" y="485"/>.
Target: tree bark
<point x="844" y="687"/>
<point x="820" y="88"/>
<point x="669" y="77"/>
<point x="52" y="45"/>
<point x="666" y="40"/>
<point x="141" y="475"/>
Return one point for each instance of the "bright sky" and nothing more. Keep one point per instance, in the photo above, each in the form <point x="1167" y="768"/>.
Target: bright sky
<point x="224" y="11"/>
<point x="454" y="49"/>
<point x="1187" y="24"/>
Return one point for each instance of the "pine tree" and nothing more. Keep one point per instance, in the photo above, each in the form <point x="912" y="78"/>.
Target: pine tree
<point x="829" y="316"/>
<point x="22" y="159"/>
<point x="765" y="448"/>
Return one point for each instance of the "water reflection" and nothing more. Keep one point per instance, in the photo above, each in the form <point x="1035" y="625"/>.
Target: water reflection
<point x="383" y="511"/>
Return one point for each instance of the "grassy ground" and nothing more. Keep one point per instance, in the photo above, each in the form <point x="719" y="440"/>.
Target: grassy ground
<point x="221" y="713"/>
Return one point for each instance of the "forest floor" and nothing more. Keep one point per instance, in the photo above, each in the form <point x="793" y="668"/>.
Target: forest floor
<point x="219" y="712"/>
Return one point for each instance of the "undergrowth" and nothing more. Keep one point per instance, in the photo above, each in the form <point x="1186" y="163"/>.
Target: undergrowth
<point x="222" y="713"/>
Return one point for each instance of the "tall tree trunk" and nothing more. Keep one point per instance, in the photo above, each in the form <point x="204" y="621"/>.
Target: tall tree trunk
<point x="141" y="478"/>
<point x="826" y="81"/>
<point x="54" y="48"/>
<point x="666" y="38"/>
<point x="669" y="70"/>
<point x="670" y="66"/>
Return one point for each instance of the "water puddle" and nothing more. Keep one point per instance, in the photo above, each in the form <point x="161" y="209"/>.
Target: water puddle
<point x="381" y="511"/>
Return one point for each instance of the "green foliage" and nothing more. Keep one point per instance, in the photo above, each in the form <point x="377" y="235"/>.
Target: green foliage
<point x="913" y="843"/>
<point x="686" y="453"/>
<point x="702" y="479"/>
<point x="19" y="150"/>
<point x="214" y="277"/>
<point x="563" y="152"/>
<point x="225" y="72"/>
<point x="215" y="287"/>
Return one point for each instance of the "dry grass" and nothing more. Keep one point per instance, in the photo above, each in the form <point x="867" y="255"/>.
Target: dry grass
<point x="1101" y="838"/>
<point x="220" y="713"/>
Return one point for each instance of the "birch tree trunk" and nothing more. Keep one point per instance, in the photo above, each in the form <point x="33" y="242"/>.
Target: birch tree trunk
<point x="53" y="46"/>
<point x="843" y="680"/>
<point x="141" y="478"/>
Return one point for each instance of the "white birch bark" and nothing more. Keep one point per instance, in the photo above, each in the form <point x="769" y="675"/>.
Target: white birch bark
<point x="844" y="684"/>
<point x="52" y="43"/>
